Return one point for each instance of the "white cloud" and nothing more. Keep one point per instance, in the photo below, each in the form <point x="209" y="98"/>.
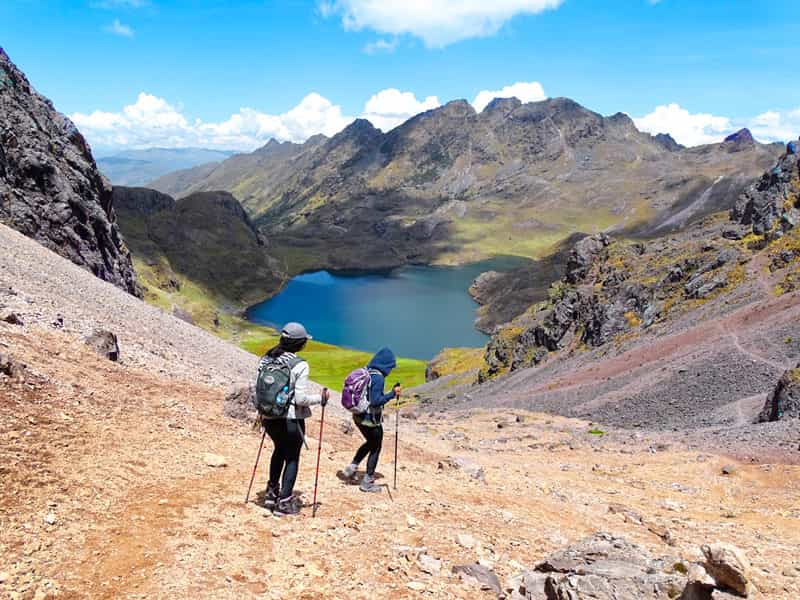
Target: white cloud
<point x="687" y="128"/>
<point x="437" y="23"/>
<point x="702" y="128"/>
<point x="152" y="121"/>
<point x="389" y="108"/>
<point x="777" y="126"/>
<point x="120" y="29"/>
<point x="525" y="92"/>
<point x="381" y="46"/>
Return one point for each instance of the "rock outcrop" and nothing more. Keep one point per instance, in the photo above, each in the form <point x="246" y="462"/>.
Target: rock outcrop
<point x="50" y="188"/>
<point x="583" y="256"/>
<point x="784" y="401"/>
<point x="771" y="206"/>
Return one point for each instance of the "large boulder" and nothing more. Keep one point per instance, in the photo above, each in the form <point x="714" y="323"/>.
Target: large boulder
<point x="50" y="188"/>
<point x="104" y="343"/>
<point x="602" y="567"/>
<point x="240" y="403"/>
<point x="11" y="367"/>
<point x="784" y="401"/>
<point x="728" y="567"/>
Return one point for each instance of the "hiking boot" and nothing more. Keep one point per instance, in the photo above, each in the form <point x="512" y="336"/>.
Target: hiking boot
<point x="368" y="484"/>
<point x="350" y="471"/>
<point x="272" y="495"/>
<point x="287" y="507"/>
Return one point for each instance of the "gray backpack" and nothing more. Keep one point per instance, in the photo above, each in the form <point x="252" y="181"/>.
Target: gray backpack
<point x="274" y="390"/>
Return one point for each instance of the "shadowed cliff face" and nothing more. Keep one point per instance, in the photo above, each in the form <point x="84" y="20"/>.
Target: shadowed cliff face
<point x="205" y="239"/>
<point x="50" y="188"/>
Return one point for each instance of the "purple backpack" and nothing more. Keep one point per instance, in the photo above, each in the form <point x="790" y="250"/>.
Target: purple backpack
<point x="355" y="393"/>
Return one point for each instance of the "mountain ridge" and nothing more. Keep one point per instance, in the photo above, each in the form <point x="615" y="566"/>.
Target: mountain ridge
<point x="455" y="185"/>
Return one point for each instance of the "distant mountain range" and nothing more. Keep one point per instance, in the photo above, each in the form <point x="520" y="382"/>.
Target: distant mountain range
<point x="137" y="167"/>
<point x="454" y="185"/>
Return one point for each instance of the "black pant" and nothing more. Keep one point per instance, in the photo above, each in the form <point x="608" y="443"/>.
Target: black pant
<point x="372" y="446"/>
<point x="287" y="435"/>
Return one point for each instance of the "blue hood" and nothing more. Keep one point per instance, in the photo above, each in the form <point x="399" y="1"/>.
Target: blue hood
<point x="384" y="361"/>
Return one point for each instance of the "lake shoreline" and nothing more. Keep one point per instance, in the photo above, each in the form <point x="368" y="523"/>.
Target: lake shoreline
<point x="384" y="296"/>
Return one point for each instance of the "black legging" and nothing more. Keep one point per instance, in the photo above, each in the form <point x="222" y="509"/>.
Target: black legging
<point x="287" y="435"/>
<point x="372" y="446"/>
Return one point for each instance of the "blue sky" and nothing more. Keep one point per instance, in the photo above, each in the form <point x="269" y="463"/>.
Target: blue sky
<point x="185" y="70"/>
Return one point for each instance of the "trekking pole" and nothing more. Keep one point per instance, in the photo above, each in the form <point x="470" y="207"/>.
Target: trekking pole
<point x="319" y="452"/>
<point x="255" y="468"/>
<point x="396" y="432"/>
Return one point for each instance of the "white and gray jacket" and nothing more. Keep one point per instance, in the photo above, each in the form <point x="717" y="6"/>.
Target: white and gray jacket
<point x="304" y="395"/>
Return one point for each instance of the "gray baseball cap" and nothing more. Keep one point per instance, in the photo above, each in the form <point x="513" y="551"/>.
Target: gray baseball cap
<point x="295" y="331"/>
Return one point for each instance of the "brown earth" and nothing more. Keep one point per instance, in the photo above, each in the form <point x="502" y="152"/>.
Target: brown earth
<point x="115" y="456"/>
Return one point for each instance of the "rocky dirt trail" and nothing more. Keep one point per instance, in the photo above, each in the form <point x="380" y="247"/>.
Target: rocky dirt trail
<point x="107" y="493"/>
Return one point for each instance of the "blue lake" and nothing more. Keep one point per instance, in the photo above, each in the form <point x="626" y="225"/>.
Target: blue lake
<point x="415" y="310"/>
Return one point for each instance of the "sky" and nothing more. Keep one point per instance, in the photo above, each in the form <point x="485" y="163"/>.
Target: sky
<point x="233" y="74"/>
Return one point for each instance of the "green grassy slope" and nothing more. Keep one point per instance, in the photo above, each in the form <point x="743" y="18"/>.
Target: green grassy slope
<point x="331" y="364"/>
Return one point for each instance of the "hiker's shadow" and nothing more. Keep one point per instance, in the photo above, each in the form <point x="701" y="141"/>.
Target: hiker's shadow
<point x="261" y="499"/>
<point x="356" y="478"/>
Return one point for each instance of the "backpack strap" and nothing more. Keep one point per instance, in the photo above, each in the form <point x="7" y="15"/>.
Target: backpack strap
<point x="292" y="363"/>
<point x="369" y="388"/>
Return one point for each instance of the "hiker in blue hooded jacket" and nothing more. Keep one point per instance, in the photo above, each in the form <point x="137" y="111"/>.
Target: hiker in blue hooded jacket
<point x="370" y="423"/>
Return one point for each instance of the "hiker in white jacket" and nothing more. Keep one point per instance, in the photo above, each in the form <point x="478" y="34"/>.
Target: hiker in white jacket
<point x="288" y="432"/>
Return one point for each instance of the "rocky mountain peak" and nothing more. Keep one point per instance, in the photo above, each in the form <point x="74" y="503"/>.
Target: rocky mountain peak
<point x="743" y="136"/>
<point x="317" y="139"/>
<point x="741" y="140"/>
<point x="561" y="112"/>
<point x="456" y="109"/>
<point x="502" y="105"/>
<point x="567" y="107"/>
<point x="360" y="131"/>
<point x="623" y="123"/>
<point x="270" y="146"/>
<point x="667" y="142"/>
<point x="50" y="187"/>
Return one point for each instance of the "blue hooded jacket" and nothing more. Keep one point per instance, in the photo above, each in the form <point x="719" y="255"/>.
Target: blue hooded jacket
<point x="383" y="362"/>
